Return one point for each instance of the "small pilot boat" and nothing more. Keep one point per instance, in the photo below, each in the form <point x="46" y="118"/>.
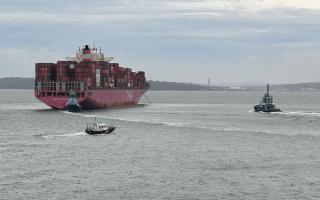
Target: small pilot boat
<point x="99" y="128"/>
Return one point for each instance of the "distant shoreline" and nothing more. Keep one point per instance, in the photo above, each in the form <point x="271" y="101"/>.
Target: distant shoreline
<point x="28" y="83"/>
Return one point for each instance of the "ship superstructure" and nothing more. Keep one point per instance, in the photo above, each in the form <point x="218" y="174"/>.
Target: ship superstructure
<point x="95" y="80"/>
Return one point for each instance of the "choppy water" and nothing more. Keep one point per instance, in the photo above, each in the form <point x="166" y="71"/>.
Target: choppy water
<point x="185" y="145"/>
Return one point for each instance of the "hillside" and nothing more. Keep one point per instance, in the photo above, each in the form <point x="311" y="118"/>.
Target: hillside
<point x="313" y="86"/>
<point x="163" y="85"/>
<point x="28" y="83"/>
<point x="16" y="83"/>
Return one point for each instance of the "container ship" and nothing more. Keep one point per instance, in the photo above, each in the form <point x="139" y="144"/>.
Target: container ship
<point x="91" y="78"/>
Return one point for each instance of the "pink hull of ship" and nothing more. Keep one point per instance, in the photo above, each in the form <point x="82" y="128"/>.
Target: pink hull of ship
<point x="95" y="99"/>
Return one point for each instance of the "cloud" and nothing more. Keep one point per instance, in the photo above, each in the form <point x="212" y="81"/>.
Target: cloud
<point x="231" y="39"/>
<point x="93" y="12"/>
<point x="245" y="5"/>
<point x="20" y="61"/>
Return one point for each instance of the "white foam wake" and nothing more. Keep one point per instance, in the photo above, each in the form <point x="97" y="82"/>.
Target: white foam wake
<point x="299" y="113"/>
<point x="65" y="135"/>
<point x="174" y="124"/>
<point x="17" y="106"/>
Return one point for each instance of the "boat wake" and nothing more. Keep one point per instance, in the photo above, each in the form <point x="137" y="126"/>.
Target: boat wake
<point x="30" y="106"/>
<point x="178" y="124"/>
<point x="208" y="127"/>
<point x="172" y="124"/>
<point x="65" y="135"/>
<point x="175" y="124"/>
<point x="299" y="113"/>
<point x="293" y="113"/>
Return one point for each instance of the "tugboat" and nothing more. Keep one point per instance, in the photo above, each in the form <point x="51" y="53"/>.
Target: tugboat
<point x="266" y="104"/>
<point x="72" y="104"/>
<point x="99" y="128"/>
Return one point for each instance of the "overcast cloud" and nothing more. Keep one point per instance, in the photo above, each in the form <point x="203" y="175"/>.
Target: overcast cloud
<point x="231" y="41"/>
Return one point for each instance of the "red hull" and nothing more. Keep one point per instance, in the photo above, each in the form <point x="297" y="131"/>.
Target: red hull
<point x="94" y="99"/>
<point x="91" y="78"/>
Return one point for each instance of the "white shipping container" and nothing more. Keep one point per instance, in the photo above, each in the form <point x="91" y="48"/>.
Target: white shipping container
<point x="98" y="78"/>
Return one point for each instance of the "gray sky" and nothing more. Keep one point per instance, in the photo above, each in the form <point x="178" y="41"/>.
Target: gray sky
<point x="229" y="41"/>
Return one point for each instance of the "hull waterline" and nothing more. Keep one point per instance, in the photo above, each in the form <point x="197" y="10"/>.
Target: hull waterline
<point x="96" y="99"/>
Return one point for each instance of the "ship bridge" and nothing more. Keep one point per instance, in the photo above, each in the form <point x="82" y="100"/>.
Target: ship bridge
<point x="89" y="54"/>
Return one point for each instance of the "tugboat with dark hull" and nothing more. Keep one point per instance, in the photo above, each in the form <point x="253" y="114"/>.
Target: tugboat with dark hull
<point x="266" y="104"/>
<point x="72" y="104"/>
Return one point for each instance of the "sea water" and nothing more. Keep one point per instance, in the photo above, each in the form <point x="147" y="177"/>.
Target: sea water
<point x="182" y="145"/>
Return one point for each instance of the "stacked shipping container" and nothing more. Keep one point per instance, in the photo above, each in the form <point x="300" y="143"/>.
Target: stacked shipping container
<point x="94" y="74"/>
<point x="96" y="82"/>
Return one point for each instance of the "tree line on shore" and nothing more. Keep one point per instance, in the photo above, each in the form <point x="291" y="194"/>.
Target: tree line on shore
<point x="28" y="83"/>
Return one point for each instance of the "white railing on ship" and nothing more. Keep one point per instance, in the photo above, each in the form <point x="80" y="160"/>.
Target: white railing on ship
<point x="59" y="86"/>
